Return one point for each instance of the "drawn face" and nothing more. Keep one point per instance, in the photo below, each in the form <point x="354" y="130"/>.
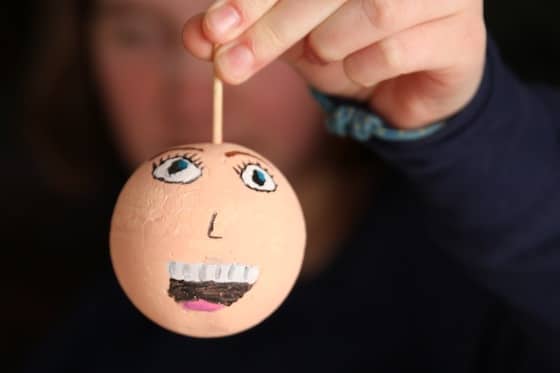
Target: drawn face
<point x="207" y="240"/>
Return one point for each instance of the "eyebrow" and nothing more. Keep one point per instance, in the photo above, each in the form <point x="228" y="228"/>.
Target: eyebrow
<point x="177" y="148"/>
<point x="233" y="153"/>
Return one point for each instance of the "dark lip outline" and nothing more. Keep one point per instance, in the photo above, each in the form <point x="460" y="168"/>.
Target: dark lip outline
<point x="225" y="294"/>
<point x="217" y="283"/>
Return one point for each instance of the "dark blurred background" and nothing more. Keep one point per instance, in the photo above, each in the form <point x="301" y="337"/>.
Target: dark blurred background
<point x="44" y="267"/>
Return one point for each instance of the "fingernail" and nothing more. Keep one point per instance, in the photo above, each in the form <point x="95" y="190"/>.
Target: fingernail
<point x="235" y="62"/>
<point x="223" y="19"/>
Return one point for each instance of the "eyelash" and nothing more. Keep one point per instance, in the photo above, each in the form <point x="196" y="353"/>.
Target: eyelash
<point x="191" y="157"/>
<point x="242" y="166"/>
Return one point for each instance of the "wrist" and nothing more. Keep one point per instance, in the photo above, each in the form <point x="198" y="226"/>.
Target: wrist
<point x="356" y="119"/>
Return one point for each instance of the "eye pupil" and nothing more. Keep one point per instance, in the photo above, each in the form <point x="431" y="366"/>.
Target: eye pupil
<point x="258" y="177"/>
<point x="177" y="166"/>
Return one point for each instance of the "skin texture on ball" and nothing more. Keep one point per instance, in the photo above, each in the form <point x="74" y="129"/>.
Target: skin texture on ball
<point x="207" y="240"/>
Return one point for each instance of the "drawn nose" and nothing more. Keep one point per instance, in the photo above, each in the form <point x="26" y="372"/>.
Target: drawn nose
<point x="211" y="227"/>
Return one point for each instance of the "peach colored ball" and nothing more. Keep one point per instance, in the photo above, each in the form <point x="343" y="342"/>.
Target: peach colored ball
<point x="207" y="240"/>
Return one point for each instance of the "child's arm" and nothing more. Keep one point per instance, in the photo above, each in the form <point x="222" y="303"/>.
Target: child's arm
<point x="490" y="180"/>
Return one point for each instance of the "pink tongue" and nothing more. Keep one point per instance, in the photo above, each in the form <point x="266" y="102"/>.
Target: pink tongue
<point x="201" y="305"/>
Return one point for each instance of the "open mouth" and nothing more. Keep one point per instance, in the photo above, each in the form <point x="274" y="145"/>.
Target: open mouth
<point x="209" y="287"/>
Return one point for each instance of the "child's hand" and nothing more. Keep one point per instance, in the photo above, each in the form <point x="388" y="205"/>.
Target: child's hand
<point x="414" y="61"/>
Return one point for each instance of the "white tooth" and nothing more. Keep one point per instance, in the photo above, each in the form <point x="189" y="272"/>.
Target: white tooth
<point x="201" y="272"/>
<point x="252" y="275"/>
<point x="209" y="272"/>
<point x="230" y="272"/>
<point x="179" y="271"/>
<point x="174" y="271"/>
<point x="217" y="272"/>
<point x="190" y="271"/>
<point x="222" y="273"/>
<point x="237" y="273"/>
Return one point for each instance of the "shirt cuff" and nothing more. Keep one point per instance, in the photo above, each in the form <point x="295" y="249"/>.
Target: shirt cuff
<point x="349" y="118"/>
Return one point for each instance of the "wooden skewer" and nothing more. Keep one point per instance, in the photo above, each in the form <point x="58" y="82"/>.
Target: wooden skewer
<point x="217" y="119"/>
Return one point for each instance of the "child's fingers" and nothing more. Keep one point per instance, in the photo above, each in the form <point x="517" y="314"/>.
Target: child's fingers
<point x="275" y="32"/>
<point x="436" y="49"/>
<point x="429" y="46"/>
<point x="359" y="23"/>
<point x="227" y="19"/>
<point x="194" y="39"/>
<point x="204" y="29"/>
<point x="329" y="78"/>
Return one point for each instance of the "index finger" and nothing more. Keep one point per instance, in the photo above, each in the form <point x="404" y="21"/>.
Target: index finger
<point x="274" y="33"/>
<point x="225" y="20"/>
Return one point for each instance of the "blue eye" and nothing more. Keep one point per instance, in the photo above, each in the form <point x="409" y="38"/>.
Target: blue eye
<point x="177" y="170"/>
<point x="177" y="166"/>
<point x="258" y="177"/>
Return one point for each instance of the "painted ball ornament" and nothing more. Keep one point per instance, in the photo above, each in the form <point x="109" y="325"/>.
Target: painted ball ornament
<point x="207" y="240"/>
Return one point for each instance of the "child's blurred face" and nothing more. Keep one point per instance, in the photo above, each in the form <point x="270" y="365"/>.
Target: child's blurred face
<point x="157" y="95"/>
